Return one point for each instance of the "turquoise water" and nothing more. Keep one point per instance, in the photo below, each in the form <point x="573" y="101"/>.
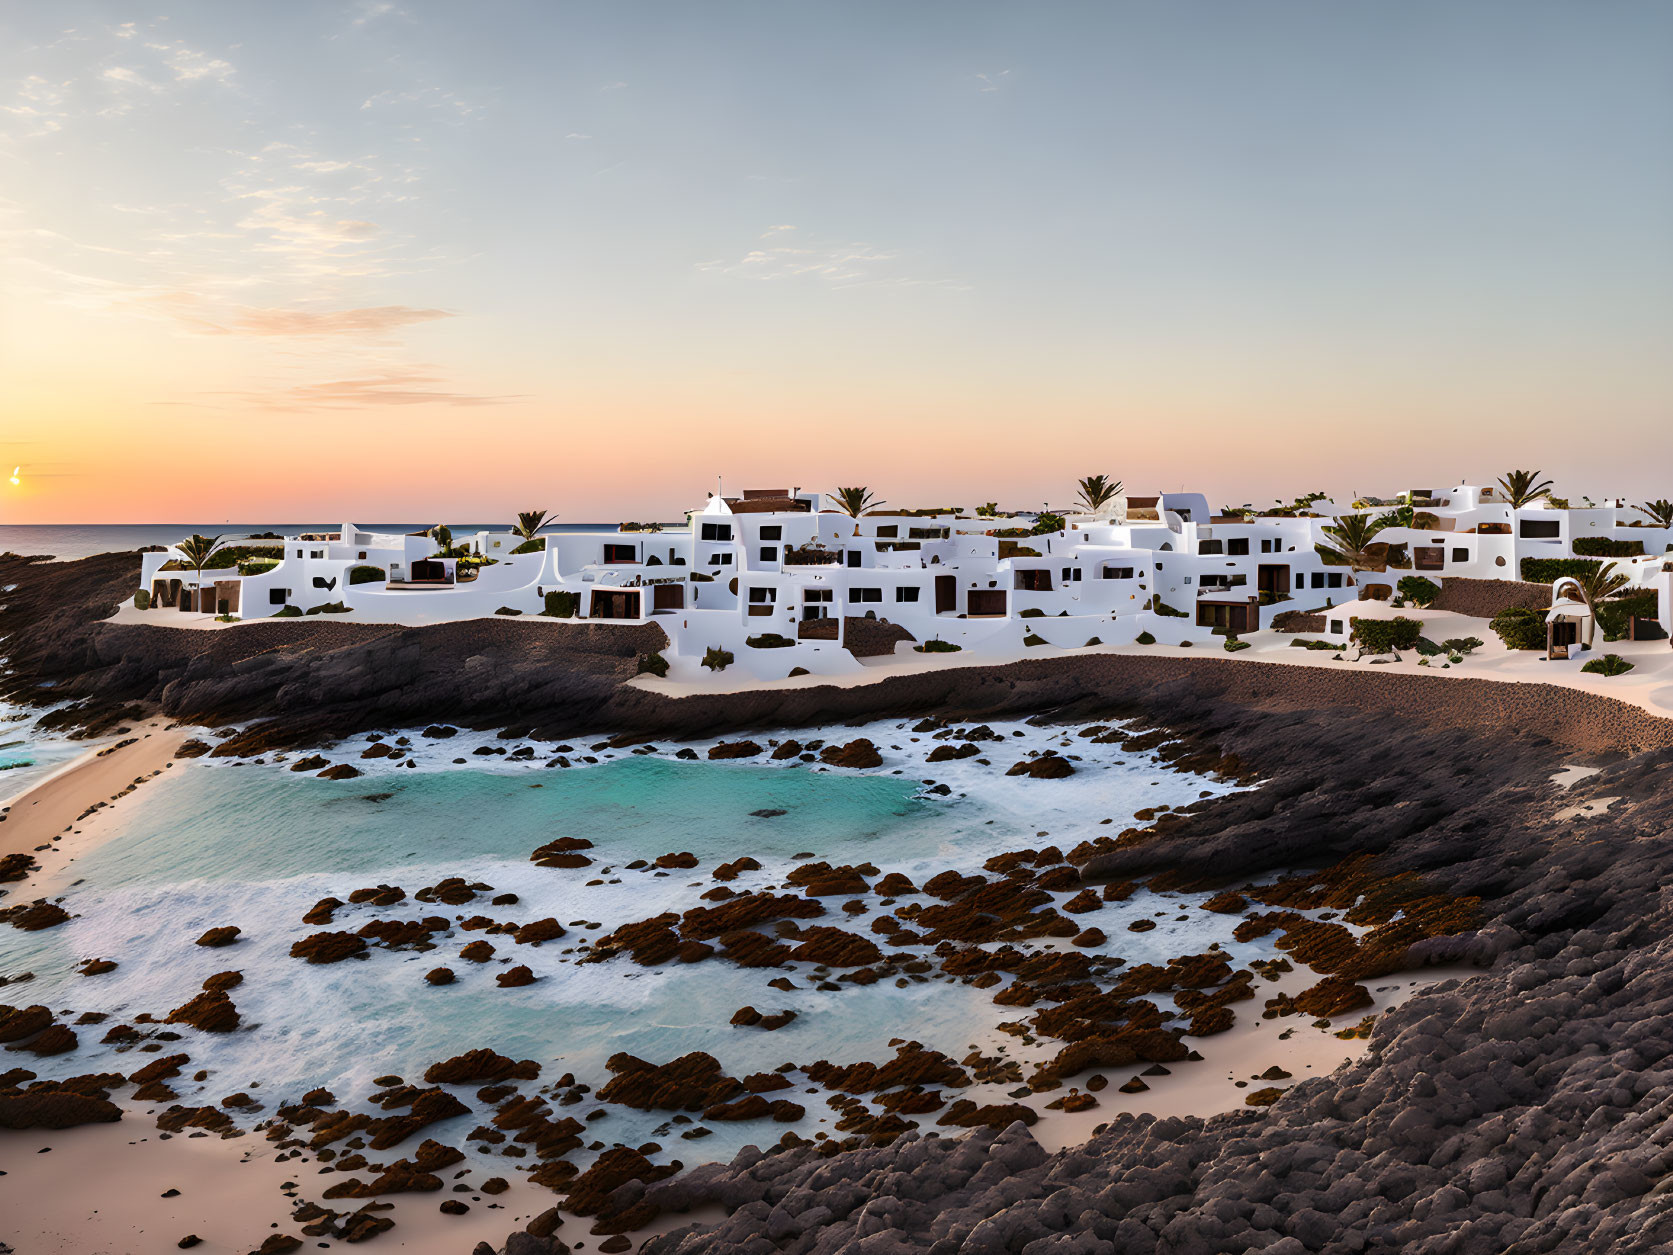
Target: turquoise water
<point x="211" y="844"/>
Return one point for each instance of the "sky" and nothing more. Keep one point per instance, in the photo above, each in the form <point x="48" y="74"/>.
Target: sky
<point x="398" y="259"/>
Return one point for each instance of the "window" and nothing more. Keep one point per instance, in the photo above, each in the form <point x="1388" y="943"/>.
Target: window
<point x="620" y="553"/>
<point x="772" y="531"/>
<point x="1460" y="555"/>
<point x="1541" y="529"/>
<point x="889" y="531"/>
<point x="278" y="596"/>
<point x="1071" y="574"/>
<point x="1187" y="579"/>
<point x="769" y="553"/>
<point x="1237" y="546"/>
<point x="299" y="553"/>
<point x="1334" y="579"/>
<point x="1318" y="579"/>
<point x="362" y="555"/>
<point x="1266" y="546"/>
<point x="762" y="596"/>
<point x="1336" y="627"/>
<point x="720" y="559"/>
<point x="1212" y="546"/>
<point x="316" y="553"/>
<point x="1118" y="573"/>
<point x="717" y="531"/>
<point x="853" y="557"/>
<point x="814" y="595"/>
<point x="859" y="595"/>
<point x="928" y="533"/>
<point x="321" y="582"/>
<point x="1213" y="581"/>
<point x="906" y="594"/>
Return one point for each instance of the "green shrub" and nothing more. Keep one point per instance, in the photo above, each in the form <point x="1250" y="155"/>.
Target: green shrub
<point x="366" y="575"/>
<point x="1428" y="648"/>
<point x="224" y="617"/>
<point x="1550" y="570"/>
<point x="1605" y="547"/>
<point x="561" y="604"/>
<point x="1166" y="611"/>
<point x="1463" y="645"/>
<point x="1233" y="644"/>
<point x="535" y="545"/>
<point x="716" y="659"/>
<point x="652" y="664"/>
<point x="1185" y="644"/>
<point x="937" y="647"/>
<point x="1609" y="664"/>
<point x="1091" y="641"/>
<point x="769" y="640"/>
<point x="1033" y="639"/>
<point x="329" y="607"/>
<point x="1519" y="628"/>
<point x="1144" y="638"/>
<point x="1299" y="643"/>
<point x="288" y="612"/>
<point x="1047" y="523"/>
<point x="1417" y="590"/>
<point x="1615" y="616"/>
<point x="1383" y="636"/>
<point x="142" y="600"/>
<point x="257" y="566"/>
<point x="1032" y="612"/>
<point x="508" y="610"/>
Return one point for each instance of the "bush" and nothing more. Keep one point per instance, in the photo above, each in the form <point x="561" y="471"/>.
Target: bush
<point x="1166" y="611"/>
<point x="1144" y="638"/>
<point x="535" y="545"/>
<point x="507" y="610"/>
<point x="1032" y="639"/>
<point x="1605" y="547"/>
<point x="142" y="600"/>
<point x="652" y="664"/>
<point x="769" y="640"/>
<point x="366" y="575"/>
<point x="937" y="647"/>
<point x="1033" y="612"/>
<point x="1299" y="643"/>
<point x="1417" y="590"/>
<point x="223" y="617"/>
<point x="1091" y="641"/>
<point x="1519" y="628"/>
<point x="1233" y="644"/>
<point x="1609" y="664"/>
<point x="1615" y="616"/>
<point x="1463" y="645"/>
<point x="561" y="604"/>
<point x="288" y="612"/>
<point x="716" y="659"/>
<point x="1385" y="636"/>
<point x="796" y="671"/>
<point x="330" y="607"/>
<point x="1550" y="570"/>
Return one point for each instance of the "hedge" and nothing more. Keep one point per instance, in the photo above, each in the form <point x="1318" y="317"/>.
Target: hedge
<point x="1462" y="644"/>
<point x="769" y="640"/>
<point x="288" y="612"/>
<point x="142" y="600"/>
<point x="653" y="664"/>
<point x="1383" y="636"/>
<point x="535" y="545"/>
<point x="329" y="607"/>
<point x="508" y="610"/>
<point x="561" y="604"/>
<point x="1233" y="645"/>
<point x="1616" y="615"/>
<point x="937" y="647"/>
<point x="1166" y="611"/>
<point x="1606" y="547"/>
<point x="716" y="659"/>
<point x="366" y="574"/>
<point x="1144" y="638"/>
<point x="1417" y="590"/>
<point x="1550" y="570"/>
<point x="1519" y="628"/>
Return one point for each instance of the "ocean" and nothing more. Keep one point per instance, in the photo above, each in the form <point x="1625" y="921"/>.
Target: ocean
<point x="70" y="541"/>
<point x="213" y="843"/>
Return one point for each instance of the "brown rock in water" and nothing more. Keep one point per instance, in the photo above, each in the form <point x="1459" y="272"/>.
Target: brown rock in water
<point x="192" y="748"/>
<point x="1084" y="901"/>
<point x="1226" y="902"/>
<point x="322" y="911"/>
<point x="730" y="871"/>
<point x="428" y="1106"/>
<point x="160" y="1069"/>
<point x="56" y="1040"/>
<point x="1331" y="997"/>
<point x="313" y="762"/>
<point x="734" y="749"/>
<point x="676" y="862"/>
<point x="912" y="1065"/>
<point x="564" y="852"/>
<point x="35" y="917"/>
<point x="15" y="867"/>
<point x="858" y="753"/>
<point x="98" y="967"/>
<point x="1211" y="1020"/>
<point x="342" y="771"/>
<point x="377" y="749"/>
<point x="328" y="947"/>
<point x="211" y="1012"/>
<point x="475" y="1066"/>
<point x="495" y="1185"/>
<point x="1045" y="767"/>
<point x="477" y="952"/>
<point x="833" y="947"/>
<point x="1091" y="937"/>
<point x="745" y="1017"/>
<point x="1141" y="925"/>
<point x="223" y="980"/>
<point x="692" y="1082"/>
<point x="223" y="936"/>
<point x="590" y="1192"/>
<point x="538" y="931"/>
<point x="515" y="977"/>
<point x="787" y="749"/>
<point x="16" y="1023"/>
<point x="439" y="976"/>
<point x="894" y="885"/>
<point x="747" y="910"/>
<point x="821" y="880"/>
<point x="54" y="1108"/>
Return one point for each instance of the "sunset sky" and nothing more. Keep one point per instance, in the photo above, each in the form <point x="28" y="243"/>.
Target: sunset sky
<point x="406" y="260"/>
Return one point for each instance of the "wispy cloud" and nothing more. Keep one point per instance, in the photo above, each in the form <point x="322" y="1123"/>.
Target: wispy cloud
<point x="381" y="389"/>
<point x="841" y="264"/>
<point x="993" y="82"/>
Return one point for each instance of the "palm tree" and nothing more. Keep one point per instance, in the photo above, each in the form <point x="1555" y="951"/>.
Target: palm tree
<point x="442" y="534"/>
<point x="529" y="522"/>
<point x="856" y="501"/>
<point x="1596" y="587"/>
<point x="1524" y="487"/>
<point x="1096" y="492"/>
<point x="1660" y="511"/>
<point x="1351" y="538"/>
<point x="196" y="551"/>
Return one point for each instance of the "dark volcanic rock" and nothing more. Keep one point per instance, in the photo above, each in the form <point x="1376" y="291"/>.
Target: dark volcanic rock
<point x="211" y="1011"/>
<point x="858" y="753"/>
<point x="54" y="1108"/>
<point x="220" y="936"/>
<point x="328" y="947"/>
<point x="476" y="1066"/>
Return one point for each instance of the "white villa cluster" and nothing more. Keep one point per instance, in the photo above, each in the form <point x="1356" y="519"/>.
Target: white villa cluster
<point x="783" y="579"/>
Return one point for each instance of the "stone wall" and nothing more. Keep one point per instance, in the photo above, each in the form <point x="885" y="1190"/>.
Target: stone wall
<point x="1482" y="599"/>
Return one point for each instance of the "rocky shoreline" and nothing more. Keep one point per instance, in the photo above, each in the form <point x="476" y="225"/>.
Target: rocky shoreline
<point x="1525" y="1109"/>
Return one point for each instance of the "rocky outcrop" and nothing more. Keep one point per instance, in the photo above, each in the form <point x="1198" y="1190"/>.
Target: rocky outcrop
<point x="858" y="754"/>
<point x="477" y="1066"/>
<point x="211" y="1012"/>
<point x="224" y="936"/>
<point x="328" y="947"/>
